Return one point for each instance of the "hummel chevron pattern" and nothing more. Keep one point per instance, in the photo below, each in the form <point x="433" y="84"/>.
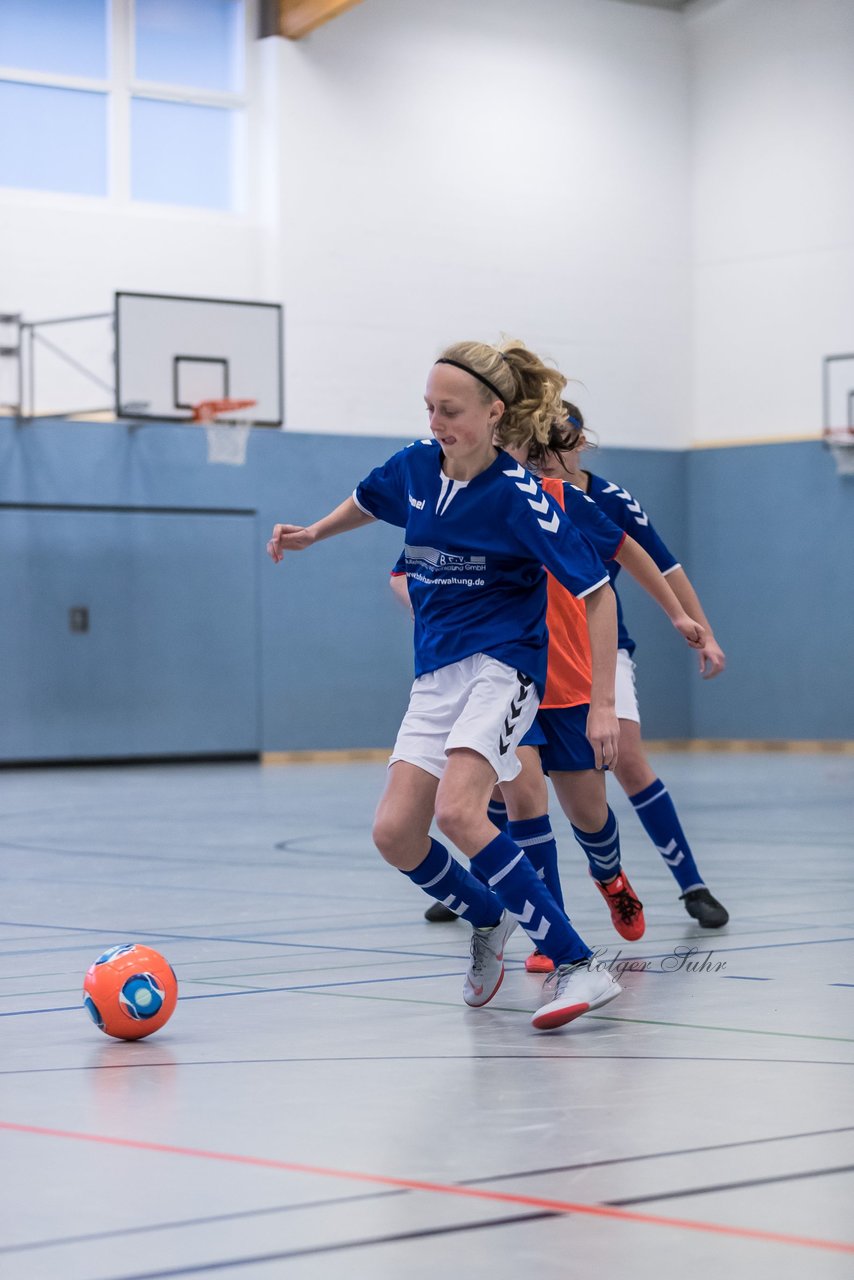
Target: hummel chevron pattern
<point x="512" y="718"/>
<point x="635" y="507"/>
<point x="671" y="854"/>
<point x="585" y="496"/>
<point x="603" y="863"/>
<point x="526" y="916"/>
<point x="530" y="485"/>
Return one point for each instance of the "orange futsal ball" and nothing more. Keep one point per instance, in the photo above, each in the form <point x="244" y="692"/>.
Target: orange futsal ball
<point x="130" y="991"/>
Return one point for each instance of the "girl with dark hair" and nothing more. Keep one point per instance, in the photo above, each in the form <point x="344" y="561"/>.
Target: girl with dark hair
<point x="557" y="461"/>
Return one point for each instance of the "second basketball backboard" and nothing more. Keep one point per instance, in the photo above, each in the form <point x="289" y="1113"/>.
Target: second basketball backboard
<point x="838" y="391"/>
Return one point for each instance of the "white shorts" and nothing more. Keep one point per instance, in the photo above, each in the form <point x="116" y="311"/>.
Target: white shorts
<point x="626" y="694"/>
<point x="478" y="703"/>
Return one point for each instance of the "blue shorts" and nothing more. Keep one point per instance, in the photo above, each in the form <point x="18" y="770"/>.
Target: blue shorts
<point x="535" y="736"/>
<point x="560" y="735"/>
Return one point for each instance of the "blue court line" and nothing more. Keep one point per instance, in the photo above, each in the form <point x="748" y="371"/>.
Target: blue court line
<point x="743" y="977"/>
<point x="244" y="942"/>
<point x="230" y="890"/>
<point x="29" y="1245"/>
<point x="421" y="955"/>
<point x="258" y="991"/>
<point x="731" y="1186"/>
<point x="276" y="920"/>
<point x="308" y="986"/>
<point x="338" y="922"/>
<point x="321" y="925"/>
<point x="369" y="926"/>
<point x="314" y="946"/>
<point x="249" y="942"/>
<point x="23" y="1013"/>
<point x="320" y="986"/>
<point x="760" y="946"/>
<point x="840" y="984"/>
<point x="152" y="853"/>
<point x="341" y="1246"/>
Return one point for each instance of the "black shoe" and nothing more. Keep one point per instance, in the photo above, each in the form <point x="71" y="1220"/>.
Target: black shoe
<point x="705" y="909"/>
<point x="440" y="914"/>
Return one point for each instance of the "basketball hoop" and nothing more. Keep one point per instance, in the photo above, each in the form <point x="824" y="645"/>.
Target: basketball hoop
<point x="227" y="437"/>
<point x="840" y="442"/>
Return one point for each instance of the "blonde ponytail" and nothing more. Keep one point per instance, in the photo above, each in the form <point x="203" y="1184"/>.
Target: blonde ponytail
<point x="530" y="390"/>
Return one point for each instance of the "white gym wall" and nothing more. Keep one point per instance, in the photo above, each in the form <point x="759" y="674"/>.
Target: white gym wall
<point x="772" y="96"/>
<point x="659" y="200"/>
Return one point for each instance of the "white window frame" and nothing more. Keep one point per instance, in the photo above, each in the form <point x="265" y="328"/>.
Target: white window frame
<point x="119" y="88"/>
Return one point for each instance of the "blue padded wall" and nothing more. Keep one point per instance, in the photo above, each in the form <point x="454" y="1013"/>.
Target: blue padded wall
<point x="771" y="530"/>
<point x="664" y="664"/>
<point x="168" y="662"/>
<point x="199" y="644"/>
<point x="229" y="653"/>
<point x="336" y="645"/>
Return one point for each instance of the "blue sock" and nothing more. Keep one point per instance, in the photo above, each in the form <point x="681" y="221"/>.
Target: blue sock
<point x="446" y="880"/>
<point x="496" y="811"/>
<point x="535" y="838"/>
<point x="478" y="874"/>
<point x="602" y="848"/>
<point x="523" y="894"/>
<point x="660" y="822"/>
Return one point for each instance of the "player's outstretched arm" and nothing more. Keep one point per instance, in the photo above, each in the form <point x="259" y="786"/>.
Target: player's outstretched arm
<point x="711" y="655"/>
<point x="295" y="537"/>
<point x="644" y="570"/>
<point x="603" y="727"/>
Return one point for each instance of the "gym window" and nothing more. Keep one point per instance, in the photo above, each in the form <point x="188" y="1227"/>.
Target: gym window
<point x="131" y="100"/>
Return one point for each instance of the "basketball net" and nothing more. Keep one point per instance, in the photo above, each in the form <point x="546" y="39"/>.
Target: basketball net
<point x="840" y="441"/>
<point x="227" y="439"/>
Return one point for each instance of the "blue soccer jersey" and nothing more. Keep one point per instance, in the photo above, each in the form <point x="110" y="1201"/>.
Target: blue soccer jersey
<point x="619" y="505"/>
<point x="605" y="537"/>
<point x="475" y="552"/>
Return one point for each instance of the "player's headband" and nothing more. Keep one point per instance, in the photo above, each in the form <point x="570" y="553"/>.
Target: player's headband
<point x="499" y="395"/>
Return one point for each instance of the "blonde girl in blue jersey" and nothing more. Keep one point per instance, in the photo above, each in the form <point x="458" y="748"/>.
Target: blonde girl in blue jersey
<point x="478" y="532"/>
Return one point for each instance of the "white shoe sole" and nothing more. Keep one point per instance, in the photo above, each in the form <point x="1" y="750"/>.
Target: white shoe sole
<point x="557" y="1013"/>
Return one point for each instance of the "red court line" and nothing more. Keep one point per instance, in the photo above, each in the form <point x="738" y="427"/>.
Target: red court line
<point x="470" y="1193"/>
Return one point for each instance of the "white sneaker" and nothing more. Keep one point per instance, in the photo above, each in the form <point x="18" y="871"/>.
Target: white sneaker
<point x="574" y="989"/>
<point x="486" y="971"/>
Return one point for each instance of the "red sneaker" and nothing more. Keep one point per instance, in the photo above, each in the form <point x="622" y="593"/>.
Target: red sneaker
<point x="538" y="963"/>
<point x="626" y="909"/>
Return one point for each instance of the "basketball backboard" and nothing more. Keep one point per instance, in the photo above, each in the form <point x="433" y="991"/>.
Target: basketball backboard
<point x="173" y="352"/>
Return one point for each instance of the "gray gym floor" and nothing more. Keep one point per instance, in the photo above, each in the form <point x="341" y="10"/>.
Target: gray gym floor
<point x="322" y="1101"/>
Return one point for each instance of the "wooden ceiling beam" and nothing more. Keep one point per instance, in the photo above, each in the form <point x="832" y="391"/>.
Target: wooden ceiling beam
<point x="298" y="17"/>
